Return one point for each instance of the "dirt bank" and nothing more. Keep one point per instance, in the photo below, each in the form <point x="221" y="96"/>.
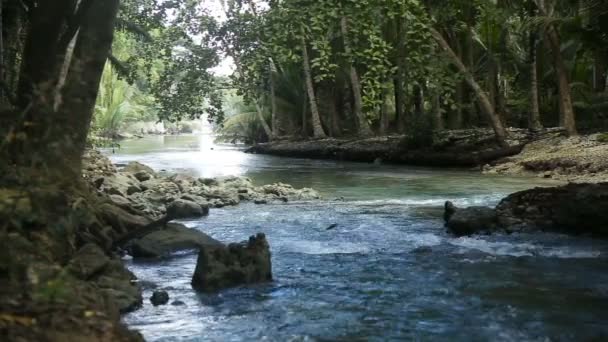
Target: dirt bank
<point x="582" y="159"/>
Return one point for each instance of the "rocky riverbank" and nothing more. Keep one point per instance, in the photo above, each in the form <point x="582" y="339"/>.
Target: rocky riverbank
<point x="61" y="273"/>
<point x="547" y="154"/>
<point x="576" y="209"/>
<point x="456" y="148"/>
<point x="581" y="159"/>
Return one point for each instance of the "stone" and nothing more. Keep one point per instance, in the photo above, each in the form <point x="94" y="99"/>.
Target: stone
<point x="88" y="261"/>
<point x="120" y="201"/>
<point x="133" y="189"/>
<point x="178" y="303"/>
<point x="121" y="220"/>
<point x="181" y="209"/>
<point x="159" y="298"/>
<point x="468" y="221"/>
<point x="120" y="286"/>
<point x="135" y="167"/>
<point x="142" y="175"/>
<point x="174" y="238"/>
<point x="233" y="265"/>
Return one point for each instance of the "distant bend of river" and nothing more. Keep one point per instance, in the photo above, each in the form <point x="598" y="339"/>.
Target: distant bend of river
<point x="388" y="272"/>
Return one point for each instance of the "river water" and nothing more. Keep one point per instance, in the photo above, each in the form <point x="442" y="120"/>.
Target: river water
<point x="387" y="272"/>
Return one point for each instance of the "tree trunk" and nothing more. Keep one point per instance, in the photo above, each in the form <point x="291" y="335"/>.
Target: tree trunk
<point x="455" y="119"/>
<point x="273" y="100"/>
<point x="399" y="82"/>
<point x="567" y="115"/>
<point x="418" y="100"/>
<point x="305" y="116"/>
<point x="82" y="83"/>
<point x="384" y="121"/>
<point x="41" y="56"/>
<point x="317" y="127"/>
<point x="260" y="114"/>
<point x="534" y="122"/>
<point x="364" y="129"/>
<point x="437" y="113"/>
<point x="488" y="109"/>
<point x="600" y="73"/>
<point x="1" y="55"/>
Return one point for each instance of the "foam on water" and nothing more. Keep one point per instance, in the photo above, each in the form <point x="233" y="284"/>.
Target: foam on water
<point x="522" y="249"/>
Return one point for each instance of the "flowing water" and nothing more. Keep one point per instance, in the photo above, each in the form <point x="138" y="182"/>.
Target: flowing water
<point x="387" y="272"/>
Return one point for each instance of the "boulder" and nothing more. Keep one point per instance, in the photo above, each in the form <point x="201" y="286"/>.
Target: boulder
<point x="88" y="261"/>
<point x="573" y="209"/>
<point x="181" y="209"/>
<point x="142" y="175"/>
<point x="159" y="298"/>
<point x="119" y="285"/>
<point x="471" y="220"/>
<point x="174" y="238"/>
<point x="220" y="267"/>
<point x="135" y="167"/>
<point x="121" y="220"/>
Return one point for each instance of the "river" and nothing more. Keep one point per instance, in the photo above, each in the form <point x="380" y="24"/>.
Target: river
<point x="387" y="272"/>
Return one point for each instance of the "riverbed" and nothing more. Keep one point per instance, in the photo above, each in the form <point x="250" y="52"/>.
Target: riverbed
<point x="387" y="271"/>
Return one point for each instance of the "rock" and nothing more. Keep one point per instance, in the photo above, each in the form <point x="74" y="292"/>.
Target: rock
<point x="260" y="201"/>
<point x="120" y="201"/>
<point x="159" y="298"/>
<point x="121" y="220"/>
<point x="471" y="220"/>
<point x="132" y="189"/>
<point x="136" y="167"/>
<point x="142" y="175"/>
<point x="178" y="303"/>
<point x="174" y="238"/>
<point x="237" y="264"/>
<point x="573" y="209"/>
<point x="120" y="286"/>
<point x="181" y="208"/>
<point x="88" y="261"/>
<point x="208" y="181"/>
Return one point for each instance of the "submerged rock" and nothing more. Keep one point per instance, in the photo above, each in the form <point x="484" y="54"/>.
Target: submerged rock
<point x="471" y="220"/>
<point x="159" y="298"/>
<point x="174" y="238"/>
<point x="236" y="264"/>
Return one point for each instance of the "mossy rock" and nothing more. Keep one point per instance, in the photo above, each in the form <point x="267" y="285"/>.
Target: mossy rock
<point x="603" y="138"/>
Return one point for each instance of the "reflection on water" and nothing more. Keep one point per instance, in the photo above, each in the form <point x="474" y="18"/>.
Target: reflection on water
<point x="388" y="271"/>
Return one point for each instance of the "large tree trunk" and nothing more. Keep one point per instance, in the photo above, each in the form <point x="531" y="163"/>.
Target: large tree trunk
<point x="305" y="116"/>
<point x="82" y="83"/>
<point x="42" y="56"/>
<point x="399" y="82"/>
<point x="362" y="123"/>
<point x="488" y="109"/>
<point x="534" y="122"/>
<point x="317" y="127"/>
<point x="567" y="115"/>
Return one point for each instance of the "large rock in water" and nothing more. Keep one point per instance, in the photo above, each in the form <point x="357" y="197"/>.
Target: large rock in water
<point x="573" y="209"/>
<point x="174" y="238"/>
<point x="577" y="209"/>
<point x="236" y="264"/>
<point x="471" y="220"/>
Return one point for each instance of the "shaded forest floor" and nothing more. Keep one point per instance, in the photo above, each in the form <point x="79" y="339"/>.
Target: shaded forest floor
<point x="547" y="154"/>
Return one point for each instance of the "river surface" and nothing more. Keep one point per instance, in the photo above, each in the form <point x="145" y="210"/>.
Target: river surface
<point x="388" y="272"/>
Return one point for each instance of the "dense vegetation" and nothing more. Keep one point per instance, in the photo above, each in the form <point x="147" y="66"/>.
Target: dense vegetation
<point x="319" y="68"/>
